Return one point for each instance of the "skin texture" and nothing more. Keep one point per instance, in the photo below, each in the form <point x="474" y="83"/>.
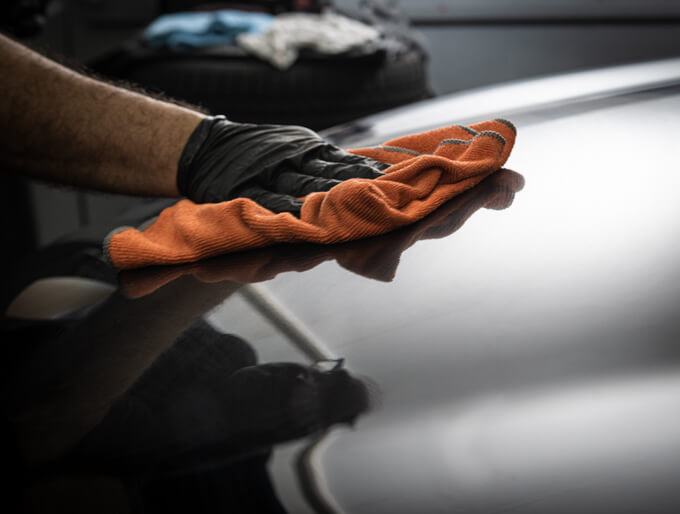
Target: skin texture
<point x="61" y="126"/>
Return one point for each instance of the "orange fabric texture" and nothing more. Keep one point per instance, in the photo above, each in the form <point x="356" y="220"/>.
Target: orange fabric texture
<point x="427" y="170"/>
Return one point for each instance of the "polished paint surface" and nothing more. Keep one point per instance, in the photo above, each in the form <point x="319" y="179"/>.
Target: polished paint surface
<point x="530" y="360"/>
<point x="521" y="345"/>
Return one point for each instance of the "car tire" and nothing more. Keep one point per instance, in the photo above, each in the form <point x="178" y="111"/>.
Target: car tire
<point x="314" y="92"/>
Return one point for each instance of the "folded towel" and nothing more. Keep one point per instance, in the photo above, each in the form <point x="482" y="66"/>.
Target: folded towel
<point x="427" y="170"/>
<point x="376" y="257"/>
<point x="183" y="30"/>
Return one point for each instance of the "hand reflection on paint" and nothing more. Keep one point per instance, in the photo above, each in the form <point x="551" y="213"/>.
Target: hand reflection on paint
<point x="207" y="399"/>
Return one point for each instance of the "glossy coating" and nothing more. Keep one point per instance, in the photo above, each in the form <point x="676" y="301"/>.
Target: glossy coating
<point x="519" y="348"/>
<point x="539" y="94"/>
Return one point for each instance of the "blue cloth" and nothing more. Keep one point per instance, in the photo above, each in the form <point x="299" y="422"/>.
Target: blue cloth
<point x="185" y="30"/>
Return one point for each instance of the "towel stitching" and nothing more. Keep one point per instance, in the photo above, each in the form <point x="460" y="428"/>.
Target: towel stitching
<point x="454" y="142"/>
<point x="490" y="133"/>
<point x="493" y="134"/>
<point x="396" y="149"/>
<point x="106" y="245"/>
<point x="508" y="124"/>
<point x="468" y="130"/>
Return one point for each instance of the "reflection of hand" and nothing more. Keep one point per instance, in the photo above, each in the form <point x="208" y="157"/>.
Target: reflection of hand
<point x="376" y="257"/>
<point x="271" y="164"/>
<point x="208" y="394"/>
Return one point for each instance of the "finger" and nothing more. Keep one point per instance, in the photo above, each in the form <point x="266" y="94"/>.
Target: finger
<point x="387" y="154"/>
<point x="300" y="184"/>
<point x="340" y="171"/>
<point x="273" y="201"/>
<point x="334" y="154"/>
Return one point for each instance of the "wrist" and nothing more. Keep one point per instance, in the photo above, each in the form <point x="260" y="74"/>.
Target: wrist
<point x="193" y="146"/>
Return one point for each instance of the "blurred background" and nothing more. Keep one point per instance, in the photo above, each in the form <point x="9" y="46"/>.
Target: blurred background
<point x="442" y="47"/>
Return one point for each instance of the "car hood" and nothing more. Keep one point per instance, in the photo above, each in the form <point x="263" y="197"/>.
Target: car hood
<point x="512" y="98"/>
<point x="519" y="346"/>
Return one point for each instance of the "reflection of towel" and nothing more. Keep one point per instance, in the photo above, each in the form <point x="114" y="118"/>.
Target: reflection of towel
<point x="198" y="29"/>
<point x="326" y="34"/>
<point x="427" y="170"/>
<point x="376" y="257"/>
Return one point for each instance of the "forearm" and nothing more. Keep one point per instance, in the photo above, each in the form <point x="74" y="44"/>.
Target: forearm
<point x="64" y="127"/>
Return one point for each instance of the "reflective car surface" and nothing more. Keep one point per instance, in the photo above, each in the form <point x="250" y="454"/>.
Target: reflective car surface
<point x="516" y="351"/>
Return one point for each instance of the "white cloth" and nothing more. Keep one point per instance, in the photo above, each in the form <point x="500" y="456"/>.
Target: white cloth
<point x="328" y="33"/>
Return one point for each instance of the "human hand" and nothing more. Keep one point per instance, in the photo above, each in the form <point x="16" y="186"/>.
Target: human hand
<point x="273" y="165"/>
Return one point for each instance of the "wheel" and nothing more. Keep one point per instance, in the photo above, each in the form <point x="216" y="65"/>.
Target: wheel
<point x="315" y="92"/>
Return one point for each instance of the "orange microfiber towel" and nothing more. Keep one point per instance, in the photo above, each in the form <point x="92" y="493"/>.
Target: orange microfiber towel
<point x="427" y="170"/>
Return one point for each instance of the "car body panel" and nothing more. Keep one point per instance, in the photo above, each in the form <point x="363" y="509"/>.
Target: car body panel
<point x="530" y="360"/>
<point x="522" y="342"/>
<point x="521" y="97"/>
